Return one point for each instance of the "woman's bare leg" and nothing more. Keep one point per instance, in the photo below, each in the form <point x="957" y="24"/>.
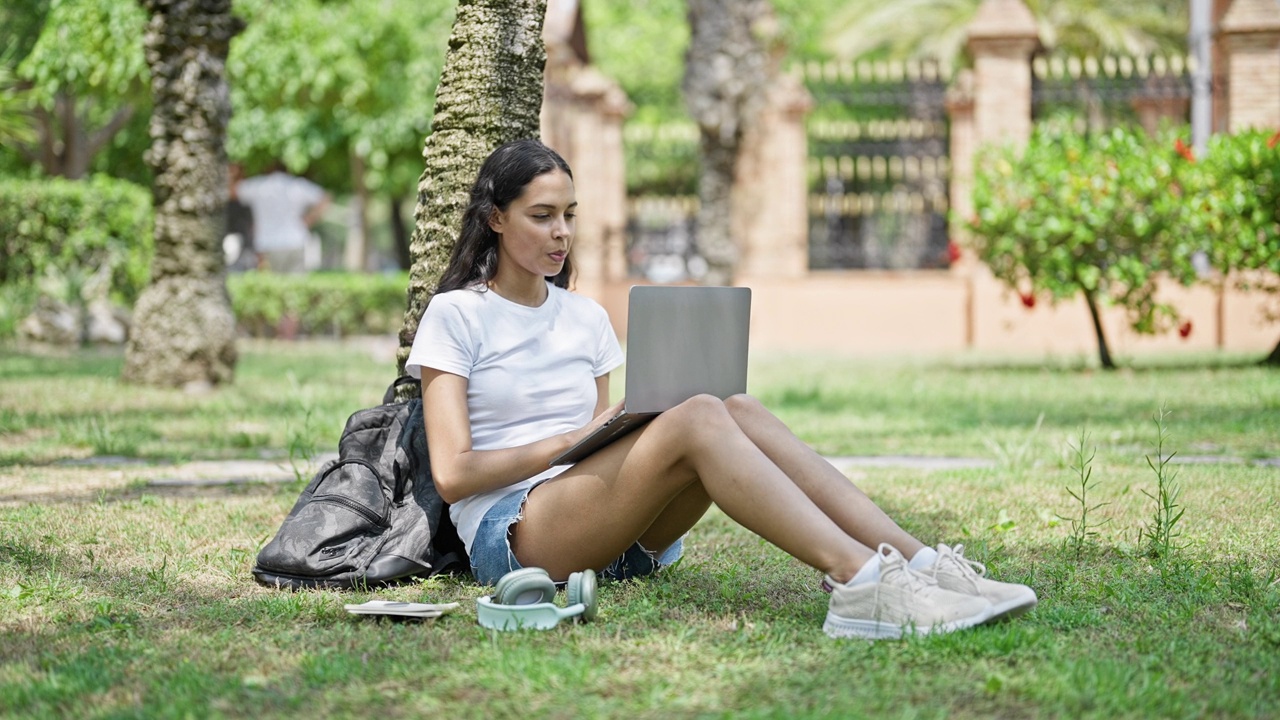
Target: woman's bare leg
<point x="827" y="487"/>
<point x="657" y="482"/>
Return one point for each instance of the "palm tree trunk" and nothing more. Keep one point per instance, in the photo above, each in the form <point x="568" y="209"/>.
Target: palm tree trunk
<point x="184" y="331"/>
<point x="1104" y="355"/>
<point x="726" y="77"/>
<point x="490" y="93"/>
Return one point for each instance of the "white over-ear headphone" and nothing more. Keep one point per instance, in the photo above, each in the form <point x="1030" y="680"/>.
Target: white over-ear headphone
<point x="523" y="599"/>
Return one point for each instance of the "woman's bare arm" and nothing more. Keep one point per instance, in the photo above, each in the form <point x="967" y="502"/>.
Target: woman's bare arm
<point x="458" y="470"/>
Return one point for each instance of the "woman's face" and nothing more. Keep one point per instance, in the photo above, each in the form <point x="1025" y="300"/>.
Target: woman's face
<point x="536" y="229"/>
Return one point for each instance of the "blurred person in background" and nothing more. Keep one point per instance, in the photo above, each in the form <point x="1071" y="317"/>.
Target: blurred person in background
<point x="285" y="207"/>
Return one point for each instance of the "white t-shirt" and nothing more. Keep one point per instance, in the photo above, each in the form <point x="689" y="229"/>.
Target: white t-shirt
<point x="279" y="202"/>
<point x="530" y="372"/>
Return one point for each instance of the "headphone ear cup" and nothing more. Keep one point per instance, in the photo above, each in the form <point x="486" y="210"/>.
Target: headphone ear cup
<point x="582" y="589"/>
<point x="526" y="586"/>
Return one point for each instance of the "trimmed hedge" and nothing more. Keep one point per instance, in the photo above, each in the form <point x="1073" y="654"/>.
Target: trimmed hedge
<point x="62" y="237"/>
<point x="324" y="303"/>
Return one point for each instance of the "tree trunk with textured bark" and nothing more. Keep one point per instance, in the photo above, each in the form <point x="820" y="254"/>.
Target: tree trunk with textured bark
<point x="490" y="93"/>
<point x="725" y="81"/>
<point x="184" y="332"/>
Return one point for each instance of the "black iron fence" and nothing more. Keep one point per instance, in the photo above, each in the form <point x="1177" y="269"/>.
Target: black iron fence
<point x="1108" y="91"/>
<point x="878" y="165"/>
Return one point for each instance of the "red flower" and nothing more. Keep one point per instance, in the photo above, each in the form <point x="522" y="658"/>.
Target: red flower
<point x="953" y="252"/>
<point x="1185" y="328"/>
<point x="1183" y="150"/>
<point x="1275" y="140"/>
<point x="1028" y="300"/>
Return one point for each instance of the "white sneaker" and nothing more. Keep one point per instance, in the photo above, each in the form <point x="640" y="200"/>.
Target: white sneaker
<point x="901" y="602"/>
<point x="957" y="573"/>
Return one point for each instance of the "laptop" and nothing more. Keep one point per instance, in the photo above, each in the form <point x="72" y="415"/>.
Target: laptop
<point x="681" y="342"/>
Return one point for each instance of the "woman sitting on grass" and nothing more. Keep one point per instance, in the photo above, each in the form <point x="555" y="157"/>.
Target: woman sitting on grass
<point x="515" y="370"/>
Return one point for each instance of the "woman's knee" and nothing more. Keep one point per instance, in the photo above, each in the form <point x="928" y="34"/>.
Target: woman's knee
<point x="698" y="411"/>
<point x="699" y="416"/>
<point x="743" y="405"/>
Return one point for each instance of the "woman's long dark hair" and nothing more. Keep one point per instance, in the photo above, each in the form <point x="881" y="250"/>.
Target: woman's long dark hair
<point x="503" y="176"/>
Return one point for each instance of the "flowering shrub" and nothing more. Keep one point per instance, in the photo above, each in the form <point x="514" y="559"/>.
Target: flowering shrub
<point x="1099" y="215"/>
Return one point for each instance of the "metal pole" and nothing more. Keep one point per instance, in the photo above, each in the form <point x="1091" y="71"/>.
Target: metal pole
<point x="1202" y="76"/>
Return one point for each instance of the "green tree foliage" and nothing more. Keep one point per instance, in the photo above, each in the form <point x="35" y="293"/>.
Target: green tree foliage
<point x="1096" y="215"/>
<point x="641" y="44"/>
<point x="20" y="22"/>
<point x="1239" y="184"/>
<point x="315" y="83"/>
<point x="87" y="78"/>
<point x="16" y="122"/>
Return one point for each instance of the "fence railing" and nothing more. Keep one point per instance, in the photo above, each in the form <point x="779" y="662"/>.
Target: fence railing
<point x="878" y="164"/>
<point x="879" y="167"/>
<point x="1112" y="90"/>
<point x="662" y="244"/>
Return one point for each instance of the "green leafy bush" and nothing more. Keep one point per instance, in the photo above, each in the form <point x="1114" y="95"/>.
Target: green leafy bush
<point x="1100" y="215"/>
<point x="322" y="303"/>
<point x="73" y="241"/>
<point x="1239" y="183"/>
<point x="1239" y="180"/>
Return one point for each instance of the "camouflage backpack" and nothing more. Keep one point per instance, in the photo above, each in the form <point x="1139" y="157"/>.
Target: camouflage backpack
<point x="370" y="517"/>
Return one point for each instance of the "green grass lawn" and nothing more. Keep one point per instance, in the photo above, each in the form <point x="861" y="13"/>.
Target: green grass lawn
<point x="120" y="598"/>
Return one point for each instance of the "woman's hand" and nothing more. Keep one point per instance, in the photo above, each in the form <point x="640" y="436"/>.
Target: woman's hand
<point x="596" y="423"/>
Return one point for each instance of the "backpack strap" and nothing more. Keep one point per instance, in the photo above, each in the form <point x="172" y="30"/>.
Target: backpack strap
<point x="390" y="395"/>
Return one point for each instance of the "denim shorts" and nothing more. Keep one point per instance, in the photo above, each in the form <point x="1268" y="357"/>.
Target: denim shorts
<point x="491" y="555"/>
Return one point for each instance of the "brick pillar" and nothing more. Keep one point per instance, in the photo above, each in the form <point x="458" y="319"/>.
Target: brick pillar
<point x="614" y="107"/>
<point x="963" y="145"/>
<point x="960" y="193"/>
<point x="771" y="189"/>
<point x="582" y="117"/>
<point x="582" y="114"/>
<point x="992" y="105"/>
<point x="1251" y="39"/>
<point x="1002" y="38"/>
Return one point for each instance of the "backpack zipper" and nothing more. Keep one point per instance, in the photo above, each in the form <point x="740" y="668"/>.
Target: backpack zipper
<point x="354" y="506"/>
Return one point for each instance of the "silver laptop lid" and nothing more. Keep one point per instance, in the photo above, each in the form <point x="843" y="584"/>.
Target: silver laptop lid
<point x="683" y="341"/>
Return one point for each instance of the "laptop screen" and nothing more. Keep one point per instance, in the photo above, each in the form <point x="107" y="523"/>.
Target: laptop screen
<point x="684" y="341"/>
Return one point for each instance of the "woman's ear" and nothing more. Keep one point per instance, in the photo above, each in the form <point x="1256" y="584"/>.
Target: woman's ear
<point x="496" y="220"/>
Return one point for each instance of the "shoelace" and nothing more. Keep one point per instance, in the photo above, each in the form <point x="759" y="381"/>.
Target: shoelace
<point x="970" y="570"/>
<point x="828" y="585"/>
<point x="916" y="581"/>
